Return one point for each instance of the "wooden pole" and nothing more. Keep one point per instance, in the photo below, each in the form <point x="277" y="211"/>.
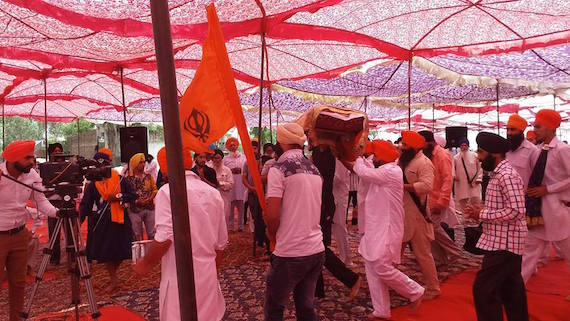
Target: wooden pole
<point x="410" y="94"/>
<point x="261" y="94"/>
<point x="433" y="118"/>
<point x="123" y="94"/>
<point x="176" y="176"/>
<point x="270" y="114"/>
<point x="554" y="101"/>
<point x="45" y="119"/>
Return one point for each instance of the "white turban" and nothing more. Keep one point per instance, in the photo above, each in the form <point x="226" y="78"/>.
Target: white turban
<point x="291" y="134"/>
<point x="440" y="140"/>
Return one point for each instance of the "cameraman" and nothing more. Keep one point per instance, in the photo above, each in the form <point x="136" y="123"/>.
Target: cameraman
<point x="53" y="151"/>
<point x="14" y="237"/>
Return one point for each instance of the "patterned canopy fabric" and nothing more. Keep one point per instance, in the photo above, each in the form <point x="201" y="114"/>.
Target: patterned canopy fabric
<point x="83" y="56"/>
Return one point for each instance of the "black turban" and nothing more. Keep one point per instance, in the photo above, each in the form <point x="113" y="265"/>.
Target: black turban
<point x="492" y="143"/>
<point x="428" y="135"/>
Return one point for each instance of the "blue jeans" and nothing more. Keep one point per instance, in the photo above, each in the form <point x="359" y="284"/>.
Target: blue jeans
<point x="297" y="274"/>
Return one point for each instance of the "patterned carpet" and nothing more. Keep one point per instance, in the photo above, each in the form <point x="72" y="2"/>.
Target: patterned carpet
<point x="242" y="282"/>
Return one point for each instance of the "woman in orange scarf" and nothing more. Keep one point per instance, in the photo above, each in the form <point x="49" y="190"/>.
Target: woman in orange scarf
<point x="109" y="234"/>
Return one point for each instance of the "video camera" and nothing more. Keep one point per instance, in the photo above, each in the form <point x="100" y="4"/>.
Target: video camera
<point x="73" y="172"/>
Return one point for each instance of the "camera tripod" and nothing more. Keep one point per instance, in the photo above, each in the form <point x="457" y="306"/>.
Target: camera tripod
<point x="77" y="265"/>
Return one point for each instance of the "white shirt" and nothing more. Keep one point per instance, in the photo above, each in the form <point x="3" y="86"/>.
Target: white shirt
<point x="341" y="184"/>
<point x="151" y="169"/>
<point x="225" y="178"/>
<point x="209" y="234"/>
<point x="555" y="214"/>
<point x="381" y="210"/>
<point x="462" y="188"/>
<point x="236" y="160"/>
<point x="13" y="199"/>
<point x="299" y="232"/>
<point x="523" y="159"/>
<point x="267" y="166"/>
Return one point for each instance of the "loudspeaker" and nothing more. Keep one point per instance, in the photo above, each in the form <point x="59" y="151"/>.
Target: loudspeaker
<point x="454" y="134"/>
<point x="133" y="140"/>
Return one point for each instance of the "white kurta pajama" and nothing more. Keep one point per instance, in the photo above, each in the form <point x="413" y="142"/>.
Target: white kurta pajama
<point x="209" y="234"/>
<point x="464" y="192"/>
<point x="555" y="213"/>
<point x="381" y="225"/>
<point x="523" y="159"/>
<point x="239" y="192"/>
<point x="339" y="231"/>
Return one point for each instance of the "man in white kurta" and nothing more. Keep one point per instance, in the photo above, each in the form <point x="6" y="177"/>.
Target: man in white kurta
<point x="235" y="161"/>
<point x="339" y="231"/>
<point x="554" y="193"/>
<point x="381" y="225"/>
<point x="209" y="237"/>
<point x="523" y="154"/>
<point x="468" y="178"/>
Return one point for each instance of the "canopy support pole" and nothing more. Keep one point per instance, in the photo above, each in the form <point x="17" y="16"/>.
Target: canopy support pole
<point x="433" y="118"/>
<point x="410" y="94"/>
<point x="176" y="176"/>
<point x="554" y="101"/>
<point x="263" y="48"/>
<point x="45" y="119"/>
<point x="498" y="111"/>
<point x="78" y="144"/>
<point x="3" y="127"/>
<point x="123" y="94"/>
<point x="479" y="121"/>
<point x="270" y="113"/>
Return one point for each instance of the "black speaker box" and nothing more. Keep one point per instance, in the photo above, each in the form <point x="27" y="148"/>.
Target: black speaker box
<point x="454" y="134"/>
<point x="133" y="140"/>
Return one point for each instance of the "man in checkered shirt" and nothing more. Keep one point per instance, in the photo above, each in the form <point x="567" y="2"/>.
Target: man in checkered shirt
<point x="499" y="282"/>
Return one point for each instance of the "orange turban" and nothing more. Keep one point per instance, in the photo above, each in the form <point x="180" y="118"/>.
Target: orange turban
<point x="107" y="151"/>
<point x="230" y="140"/>
<point x="548" y="118"/>
<point x="413" y="139"/>
<point x="530" y="134"/>
<point x="517" y="122"/>
<point x="385" y="151"/>
<point x="18" y="150"/>
<point x="161" y="159"/>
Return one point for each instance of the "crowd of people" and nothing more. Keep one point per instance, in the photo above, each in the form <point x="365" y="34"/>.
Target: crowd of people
<point x="515" y="190"/>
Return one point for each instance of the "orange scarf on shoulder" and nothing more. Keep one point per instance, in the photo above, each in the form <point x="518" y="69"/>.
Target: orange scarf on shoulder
<point x="109" y="187"/>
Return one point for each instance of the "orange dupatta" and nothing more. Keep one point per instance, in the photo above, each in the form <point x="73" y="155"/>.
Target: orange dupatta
<point x="107" y="188"/>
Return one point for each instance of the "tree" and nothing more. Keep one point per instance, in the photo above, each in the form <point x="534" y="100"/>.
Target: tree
<point x="266" y="134"/>
<point x="18" y="128"/>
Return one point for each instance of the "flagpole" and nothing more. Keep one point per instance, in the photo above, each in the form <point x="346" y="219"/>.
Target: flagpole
<point x="176" y="176"/>
<point x="263" y="48"/>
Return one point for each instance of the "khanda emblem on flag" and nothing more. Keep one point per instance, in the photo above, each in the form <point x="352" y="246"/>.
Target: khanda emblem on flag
<point x="198" y="125"/>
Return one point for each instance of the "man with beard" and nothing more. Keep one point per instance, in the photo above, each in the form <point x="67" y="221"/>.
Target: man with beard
<point x="418" y="229"/>
<point x="381" y="227"/>
<point x="14" y="237"/>
<point x="324" y="160"/>
<point x="444" y="249"/>
<point x="235" y="161"/>
<point x="206" y="173"/>
<point x="468" y="175"/>
<point x="548" y="194"/>
<point x="522" y="154"/>
<point x="499" y="283"/>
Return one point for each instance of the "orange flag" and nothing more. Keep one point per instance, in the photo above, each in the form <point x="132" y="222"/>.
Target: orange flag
<point x="211" y="106"/>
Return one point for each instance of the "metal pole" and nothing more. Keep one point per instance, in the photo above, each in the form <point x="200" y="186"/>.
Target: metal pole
<point x="270" y="123"/>
<point x="554" y="101"/>
<point x="3" y="127"/>
<point x="45" y="118"/>
<point x="78" y="144"/>
<point x="433" y="118"/>
<point x="261" y="94"/>
<point x="498" y="114"/>
<point x="410" y="94"/>
<point x="176" y="176"/>
<point x="123" y="93"/>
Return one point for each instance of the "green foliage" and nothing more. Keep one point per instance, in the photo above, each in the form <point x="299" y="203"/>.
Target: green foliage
<point x="265" y="134"/>
<point x="18" y="128"/>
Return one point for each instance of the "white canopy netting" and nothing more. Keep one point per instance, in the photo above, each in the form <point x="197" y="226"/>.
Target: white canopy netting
<point x="95" y="58"/>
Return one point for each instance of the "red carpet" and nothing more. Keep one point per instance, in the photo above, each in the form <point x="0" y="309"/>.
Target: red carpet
<point x="108" y="313"/>
<point x="31" y="278"/>
<point x="546" y="295"/>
